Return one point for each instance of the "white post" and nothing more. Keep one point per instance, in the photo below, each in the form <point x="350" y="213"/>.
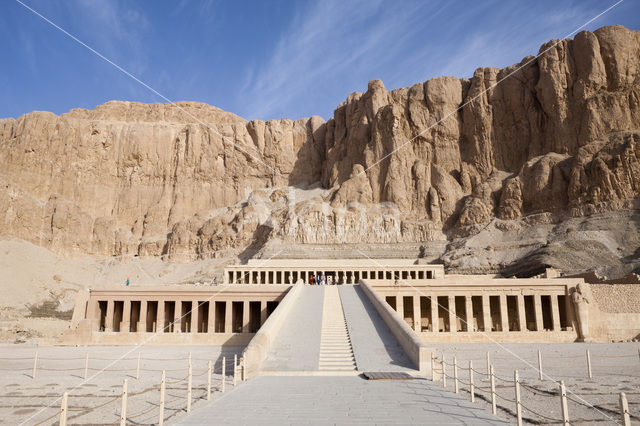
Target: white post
<point x="624" y="410"/>
<point x="589" y="364"/>
<point x="488" y="362"/>
<point x="244" y="372"/>
<point x="123" y="411"/>
<point x="138" y="368"/>
<point x="162" y="388"/>
<point x="455" y="374"/>
<point x="444" y="374"/>
<point x="471" y="384"/>
<point x="63" y="409"/>
<point x="189" y="387"/>
<point x="35" y="365"/>
<point x="518" y="404"/>
<point x="539" y="365"/>
<point x="209" y="381"/>
<point x="433" y="368"/>
<point x="86" y="366"/>
<point x="563" y="401"/>
<point x="235" y="364"/>
<point x="493" y="390"/>
<point x="224" y="373"/>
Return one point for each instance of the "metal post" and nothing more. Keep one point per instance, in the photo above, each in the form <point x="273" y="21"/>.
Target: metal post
<point x="86" y="366"/>
<point x="224" y="373"/>
<point x="189" y="388"/>
<point x="35" y="365"/>
<point x="209" y="381"/>
<point x="518" y="404"/>
<point x="471" y="384"/>
<point x="455" y="374"/>
<point x="589" y="364"/>
<point x="563" y="402"/>
<point x="624" y="410"/>
<point x="493" y="390"/>
<point x="162" y="388"/>
<point x="63" y="409"/>
<point x="539" y="365"/>
<point x="123" y="411"/>
<point x="444" y="373"/>
<point x="138" y="368"/>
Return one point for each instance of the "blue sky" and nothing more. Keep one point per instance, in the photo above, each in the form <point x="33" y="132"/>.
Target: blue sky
<point x="266" y="59"/>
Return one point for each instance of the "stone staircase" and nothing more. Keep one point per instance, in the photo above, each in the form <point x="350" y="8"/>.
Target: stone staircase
<point x="336" y="352"/>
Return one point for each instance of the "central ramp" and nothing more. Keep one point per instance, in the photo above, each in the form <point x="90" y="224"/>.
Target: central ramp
<point x="336" y="353"/>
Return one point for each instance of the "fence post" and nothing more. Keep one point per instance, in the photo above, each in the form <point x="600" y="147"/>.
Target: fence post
<point x="471" y="384"/>
<point x="35" y="365"/>
<point x="189" y="387"/>
<point x="138" y="368"/>
<point x="63" y="409"/>
<point x="589" y="364"/>
<point x="224" y="373"/>
<point x="518" y="404"/>
<point x="624" y="410"/>
<point x="86" y="366"/>
<point x="455" y="374"/>
<point x="493" y="390"/>
<point x="123" y="411"/>
<point x="433" y="367"/>
<point x="209" y="381"/>
<point x="444" y="372"/>
<point x="242" y="370"/>
<point x="563" y="402"/>
<point x="488" y="362"/>
<point x="539" y="365"/>
<point x="235" y="368"/>
<point x="162" y="388"/>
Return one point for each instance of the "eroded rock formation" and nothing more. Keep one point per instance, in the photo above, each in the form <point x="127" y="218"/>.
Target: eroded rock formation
<point x="552" y="137"/>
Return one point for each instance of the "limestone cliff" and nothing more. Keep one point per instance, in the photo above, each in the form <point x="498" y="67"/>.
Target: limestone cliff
<point x="548" y="138"/>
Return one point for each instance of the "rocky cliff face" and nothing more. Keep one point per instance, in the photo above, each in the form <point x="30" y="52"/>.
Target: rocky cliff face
<point x="549" y="138"/>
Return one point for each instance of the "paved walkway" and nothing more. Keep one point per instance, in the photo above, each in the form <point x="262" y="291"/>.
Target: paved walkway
<point x="339" y="400"/>
<point x="297" y="346"/>
<point x="374" y="346"/>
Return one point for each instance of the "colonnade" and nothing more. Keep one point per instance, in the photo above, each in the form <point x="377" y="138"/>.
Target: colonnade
<point x="179" y="316"/>
<point x="248" y="275"/>
<point x="485" y="312"/>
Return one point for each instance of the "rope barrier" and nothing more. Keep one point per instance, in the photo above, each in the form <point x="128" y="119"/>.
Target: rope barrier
<point x="153" y="407"/>
<point x="510" y="401"/>
<point x="537" y="391"/>
<point x="550" y="419"/>
<point x="57" y="413"/>
<point x="504" y="380"/>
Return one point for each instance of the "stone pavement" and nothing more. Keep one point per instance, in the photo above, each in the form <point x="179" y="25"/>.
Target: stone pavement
<point x="297" y="346"/>
<point x="374" y="346"/>
<point x="339" y="400"/>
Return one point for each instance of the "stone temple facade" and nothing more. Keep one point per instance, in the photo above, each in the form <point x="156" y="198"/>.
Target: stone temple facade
<point x="437" y="306"/>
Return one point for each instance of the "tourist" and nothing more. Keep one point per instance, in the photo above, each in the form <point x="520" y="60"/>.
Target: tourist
<point x="127" y="282"/>
<point x="323" y="279"/>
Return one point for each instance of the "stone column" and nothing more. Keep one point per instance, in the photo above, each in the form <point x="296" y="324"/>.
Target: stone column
<point x="177" y="315"/>
<point x="142" y="320"/>
<point x="417" y="314"/>
<point x="263" y="312"/>
<point x="160" y="317"/>
<point x="522" y="318"/>
<point x="250" y="277"/>
<point x="555" y="312"/>
<point x="486" y="313"/>
<point x="400" y="305"/>
<point x="266" y="277"/>
<point x="245" y="316"/>
<point x="93" y="313"/>
<point x="537" y="303"/>
<point x="504" y="313"/>
<point x="108" y="319"/>
<point x="453" y="323"/>
<point x="126" y="316"/>
<point x="259" y="277"/>
<point x="228" y="316"/>
<point x="211" y="320"/>
<point x="195" y="316"/>
<point x="468" y="307"/>
<point x="435" y="321"/>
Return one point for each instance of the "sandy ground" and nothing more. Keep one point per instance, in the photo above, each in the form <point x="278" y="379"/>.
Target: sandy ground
<point x="96" y="400"/>
<point x="615" y="369"/>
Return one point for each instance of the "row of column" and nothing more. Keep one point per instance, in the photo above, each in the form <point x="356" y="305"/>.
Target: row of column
<point x="192" y="307"/>
<point x="487" y="319"/>
<point x="250" y="276"/>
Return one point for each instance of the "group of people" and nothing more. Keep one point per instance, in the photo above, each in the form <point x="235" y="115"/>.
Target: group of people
<point x="318" y="280"/>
